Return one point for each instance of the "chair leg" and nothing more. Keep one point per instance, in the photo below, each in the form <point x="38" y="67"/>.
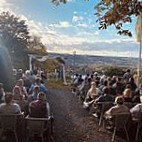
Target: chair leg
<point x="127" y="136"/>
<point x="104" y="123"/>
<point x="42" y="138"/>
<point x="16" y="137"/>
<point x="112" y="140"/>
<point x="100" y="121"/>
<point x="137" y="132"/>
<point x="27" y="139"/>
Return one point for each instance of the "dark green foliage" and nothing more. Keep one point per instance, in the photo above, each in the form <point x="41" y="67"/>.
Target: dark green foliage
<point x="14" y="36"/>
<point x="110" y="71"/>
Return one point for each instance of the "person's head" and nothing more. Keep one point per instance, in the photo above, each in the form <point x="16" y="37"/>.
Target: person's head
<point x="128" y="70"/>
<point x="110" y="83"/>
<point x="36" y="89"/>
<point x="118" y="79"/>
<point x="89" y="80"/>
<point x="106" y="90"/>
<point x="8" y="97"/>
<point x="76" y="75"/>
<point x="38" y="80"/>
<point x="127" y="93"/>
<point x="95" y="74"/>
<point x="114" y="77"/>
<point x="105" y="82"/>
<point x="140" y="86"/>
<point x="22" y="97"/>
<point x="41" y="96"/>
<point x="27" y="72"/>
<point x="128" y="86"/>
<point x="93" y="85"/>
<point x="17" y="90"/>
<point x="20" y="82"/>
<point x="119" y="100"/>
<point x="20" y="70"/>
<point x="92" y="76"/>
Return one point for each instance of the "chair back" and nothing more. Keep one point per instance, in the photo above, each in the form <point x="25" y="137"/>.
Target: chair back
<point x="106" y="106"/>
<point x="36" y="125"/>
<point x="9" y="121"/>
<point x="128" y="104"/>
<point x="120" y="120"/>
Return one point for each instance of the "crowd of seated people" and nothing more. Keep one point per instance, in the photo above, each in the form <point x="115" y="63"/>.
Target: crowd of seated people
<point x="30" y="100"/>
<point x="122" y="92"/>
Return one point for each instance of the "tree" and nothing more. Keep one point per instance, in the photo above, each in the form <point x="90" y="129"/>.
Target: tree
<point x="14" y="35"/>
<point x="36" y="45"/>
<point x="114" y="12"/>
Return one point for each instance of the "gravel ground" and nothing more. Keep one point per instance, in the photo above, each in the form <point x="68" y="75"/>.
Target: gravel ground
<point x="73" y="123"/>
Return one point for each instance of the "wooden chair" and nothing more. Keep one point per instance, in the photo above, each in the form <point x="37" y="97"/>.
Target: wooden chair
<point x="128" y="104"/>
<point x="10" y="122"/>
<point x="104" y="107"/>
<point x="38" y="126"/>
<point x="139" y="125"/>
<point x="120" y="121"/>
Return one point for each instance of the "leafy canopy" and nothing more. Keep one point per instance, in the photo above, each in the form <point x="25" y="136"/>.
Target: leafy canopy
<point x="114" y="12"/>
<point x="14" y="33"/>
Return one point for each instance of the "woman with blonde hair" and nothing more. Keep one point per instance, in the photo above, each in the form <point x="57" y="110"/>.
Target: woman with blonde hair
<point x="92" y="94"/>
<point x="127" y="94"/>
<point x="17" y="93"/>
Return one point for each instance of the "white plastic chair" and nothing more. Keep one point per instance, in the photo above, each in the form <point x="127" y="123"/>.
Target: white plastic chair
<point x="9" y="122"/>
<point x="37" y="126"/>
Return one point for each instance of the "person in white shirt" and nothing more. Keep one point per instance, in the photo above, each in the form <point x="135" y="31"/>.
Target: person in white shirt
<point x="8" y="107"/>
<point x="136" y="111"/>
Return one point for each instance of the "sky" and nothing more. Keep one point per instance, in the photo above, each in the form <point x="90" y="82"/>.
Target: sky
<point x="72" y="27"/>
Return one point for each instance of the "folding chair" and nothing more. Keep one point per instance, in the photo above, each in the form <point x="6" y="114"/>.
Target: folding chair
<point x="120" y="121"/>
<point x="139" y="125"/>
<point x="38" y="126"/>
<point x="104" y="107"/>
<point x="9" y="122"/>
<point x="128" y="104"/>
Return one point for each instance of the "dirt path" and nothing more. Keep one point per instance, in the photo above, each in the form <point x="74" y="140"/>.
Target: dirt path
<point x="73" y="123"/>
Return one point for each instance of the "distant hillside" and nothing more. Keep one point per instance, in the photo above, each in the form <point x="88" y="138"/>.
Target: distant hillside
<point x="83" y="60"/>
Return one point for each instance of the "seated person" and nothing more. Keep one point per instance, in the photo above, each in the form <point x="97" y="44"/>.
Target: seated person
<point x="105" y="97"/>
<point x="20" y="84"/>
<point x="119" y="108"/>
<point x="8" y="107"/>
<point x="127" y="94"/>
<point x="17" y="93"/>
<point x="33" y="96"/>
<point x="23" y="104"/>
<point x="41" y="86"/>
<point x="39" y="108"/>
<point x="92" y="94"/>
<point x="136" y="111"/>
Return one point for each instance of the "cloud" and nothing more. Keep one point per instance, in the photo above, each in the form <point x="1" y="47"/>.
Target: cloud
<point x="75" y="12"/>
<point x="77" y="18"/>
<point x="70" y="0"/>
<point x="63" y="24"/>
<point x="85" y="33"/>
<point x="6" y="6"/>
<point x="82" y="25"/>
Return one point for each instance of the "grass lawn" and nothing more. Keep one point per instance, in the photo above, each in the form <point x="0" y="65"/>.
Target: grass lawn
<point x="53" y="84"/>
